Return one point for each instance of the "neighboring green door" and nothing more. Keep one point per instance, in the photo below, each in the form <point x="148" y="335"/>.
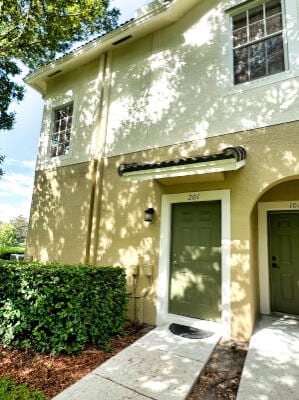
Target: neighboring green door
<point x="284" y="261"/>
<point x="195" y="260"/>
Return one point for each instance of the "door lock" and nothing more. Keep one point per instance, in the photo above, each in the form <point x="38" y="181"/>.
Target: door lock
<point x="274" y="264"/>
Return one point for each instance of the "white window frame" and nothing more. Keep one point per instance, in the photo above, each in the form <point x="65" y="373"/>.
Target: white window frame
<point x="61" y="107"/>
<point x="45" y="160"/>
<point x="291" y="25"/>
<point x="246" y="8"/>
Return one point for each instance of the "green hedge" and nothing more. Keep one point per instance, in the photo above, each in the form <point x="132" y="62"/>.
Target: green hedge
<point x="5" y="252"/>
<point x="55" y="308"/>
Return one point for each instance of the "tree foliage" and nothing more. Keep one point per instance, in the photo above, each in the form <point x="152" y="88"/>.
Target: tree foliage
<point x="20" y="224"/>
<point x="9" y="91"/>
<point x="36" y="31"/>
<point x="7" y="235"/>
<point x="2" y="157"/>
<point x="13" y="233"/>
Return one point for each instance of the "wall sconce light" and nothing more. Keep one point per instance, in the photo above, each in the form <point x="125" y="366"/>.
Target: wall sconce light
<point x="148" y="214"/>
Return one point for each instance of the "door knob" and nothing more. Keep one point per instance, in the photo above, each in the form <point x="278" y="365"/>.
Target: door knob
<point x="274" y="265"/>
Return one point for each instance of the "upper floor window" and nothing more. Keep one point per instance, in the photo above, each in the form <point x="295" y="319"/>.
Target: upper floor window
<point x="258" y="42"/>
<point x="61" y="135"/>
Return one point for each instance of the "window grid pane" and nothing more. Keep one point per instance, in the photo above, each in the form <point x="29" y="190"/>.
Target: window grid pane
<point x="61" y="135"/>
<point x="258" y="42"/>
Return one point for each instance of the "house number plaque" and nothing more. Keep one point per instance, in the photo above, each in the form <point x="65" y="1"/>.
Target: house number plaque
<point x="294" y="205"/>
<point x="193" y="196"/>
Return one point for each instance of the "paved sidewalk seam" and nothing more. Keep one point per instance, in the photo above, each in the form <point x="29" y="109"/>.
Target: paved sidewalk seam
<point x="158" y="366"/>
<point x="124" y="386"/>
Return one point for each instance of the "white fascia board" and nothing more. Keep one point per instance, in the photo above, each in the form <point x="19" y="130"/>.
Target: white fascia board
<point x="157" y="17"/>
<point x="184" y="170"/>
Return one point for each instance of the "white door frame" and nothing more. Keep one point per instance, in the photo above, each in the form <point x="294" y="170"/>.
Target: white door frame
<point x="163" y="316"/>
<point x="263" y="245"/>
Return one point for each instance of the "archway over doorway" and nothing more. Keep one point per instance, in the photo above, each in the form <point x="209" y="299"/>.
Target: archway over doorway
<point x="278" y="245"/>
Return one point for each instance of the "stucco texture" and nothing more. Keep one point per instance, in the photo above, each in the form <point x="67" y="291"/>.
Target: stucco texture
<point x="59" y="226"/>
<point x="60" y="214"/>
<point x="124" y="238"/>
<point x="165" y="96"/>
<point x="175" y="85"/>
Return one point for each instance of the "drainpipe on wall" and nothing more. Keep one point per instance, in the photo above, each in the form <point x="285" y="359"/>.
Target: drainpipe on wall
<point x="104" y="85"/>
<point x="91" y="209"/>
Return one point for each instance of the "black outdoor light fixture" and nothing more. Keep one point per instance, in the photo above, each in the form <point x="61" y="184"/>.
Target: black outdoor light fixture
<point x="148" y="214"/>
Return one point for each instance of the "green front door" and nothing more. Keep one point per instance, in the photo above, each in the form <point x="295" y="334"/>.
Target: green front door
<point x="284" y="261"/>
<point x="195" y="260"/>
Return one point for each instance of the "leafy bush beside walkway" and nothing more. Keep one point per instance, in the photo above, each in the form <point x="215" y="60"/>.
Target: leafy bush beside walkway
<point x="58" y="308"/>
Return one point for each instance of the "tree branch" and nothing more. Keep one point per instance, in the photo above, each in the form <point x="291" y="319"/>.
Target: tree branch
<point x="8" y="33"/>
<point x="25" y="24"/>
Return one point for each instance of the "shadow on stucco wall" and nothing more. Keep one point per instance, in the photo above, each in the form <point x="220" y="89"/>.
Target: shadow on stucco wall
<point x="172" y="103"/>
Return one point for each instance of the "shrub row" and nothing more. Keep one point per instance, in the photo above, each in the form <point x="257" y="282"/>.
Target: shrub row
<point x="5" y="252"/>
<point x="58" y="308"/>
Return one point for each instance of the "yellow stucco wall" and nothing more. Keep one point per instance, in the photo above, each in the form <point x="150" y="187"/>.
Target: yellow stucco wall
<point x="171" y="86"/>
<point x="60" y="213"/>
<point x="124" y="238"/>
<point x="168" y="95"/>
<point x="176" y="84"/>
<point x="82" y="87"/>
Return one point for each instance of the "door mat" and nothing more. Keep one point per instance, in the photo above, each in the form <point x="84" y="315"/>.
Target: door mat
<point x="189" y="332"/>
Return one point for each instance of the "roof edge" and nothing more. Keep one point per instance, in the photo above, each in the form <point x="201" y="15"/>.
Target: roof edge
<point x="157" y="15"/>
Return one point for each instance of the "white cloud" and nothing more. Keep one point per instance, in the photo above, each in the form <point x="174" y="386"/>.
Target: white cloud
<point x="16" y="184"/>
<point x="20" y="163"/>
<point x="9" y="211"/>
<point x="15" y="195"/>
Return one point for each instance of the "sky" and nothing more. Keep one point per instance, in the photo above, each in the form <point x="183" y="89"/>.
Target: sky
<point x="20" y="145"/>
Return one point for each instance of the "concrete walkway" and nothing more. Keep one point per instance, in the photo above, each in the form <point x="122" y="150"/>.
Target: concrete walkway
<point x="158" y="366"/>
<point x="271" y="370"/>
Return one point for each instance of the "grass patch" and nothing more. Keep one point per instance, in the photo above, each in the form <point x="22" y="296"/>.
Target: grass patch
<point x="10" y="390"/>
